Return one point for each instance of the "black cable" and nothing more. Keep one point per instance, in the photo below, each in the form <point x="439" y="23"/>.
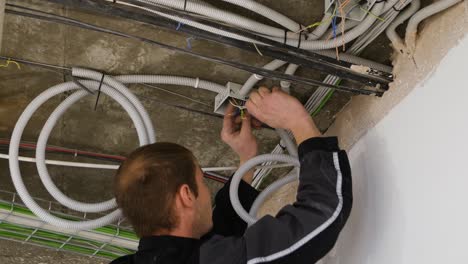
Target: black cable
<point x="277" y="50"/>
<point x="299" y="40"/>
<point x="252" y="69"/>
<point x="40" y="64"/>
<point x="77" y="82"/>
<point x="4" y="150"/>
<point x="99" y="91"/>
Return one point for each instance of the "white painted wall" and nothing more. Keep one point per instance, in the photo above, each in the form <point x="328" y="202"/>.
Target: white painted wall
<point x="411" y="177"/>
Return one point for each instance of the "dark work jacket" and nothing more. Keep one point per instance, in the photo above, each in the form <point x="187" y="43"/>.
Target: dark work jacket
<point x="303" y="232"/>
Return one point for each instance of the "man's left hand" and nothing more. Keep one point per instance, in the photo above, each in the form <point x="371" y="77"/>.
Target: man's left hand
<point x="241" y="140"/>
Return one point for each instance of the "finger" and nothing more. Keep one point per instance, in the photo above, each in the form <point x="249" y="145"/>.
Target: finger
<point x="246" y="125"/>
<point x="252" y="108"/>
<point x="256" y="123"/>
<point x="255" y="98"/>
<point x="277" y="90"/>
<point x="263" y="91"/>
<point x="229" y="110"/>
<point x="228" y="126"/>
<point x="238" y="120"/>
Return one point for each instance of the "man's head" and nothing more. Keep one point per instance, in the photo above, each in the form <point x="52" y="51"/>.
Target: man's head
<point x="161" y="191"/>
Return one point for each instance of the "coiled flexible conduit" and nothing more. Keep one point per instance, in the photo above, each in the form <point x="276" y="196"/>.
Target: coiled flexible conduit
<point x="412" y="28"/>
<point x="113" y="86"/>
<point x="391" y="33"/>
<point x="116" y="90"/>
<point x="237" y="177"/>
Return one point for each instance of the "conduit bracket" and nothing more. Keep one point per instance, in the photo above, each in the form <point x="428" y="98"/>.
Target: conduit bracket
<point x="222" y="99"/>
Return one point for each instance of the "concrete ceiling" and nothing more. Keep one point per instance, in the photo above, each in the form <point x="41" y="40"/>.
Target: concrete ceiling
<point x="109" y="129"/>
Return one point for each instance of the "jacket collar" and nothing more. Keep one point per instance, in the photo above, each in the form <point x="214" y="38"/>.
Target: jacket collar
<point x="166" y="242"/>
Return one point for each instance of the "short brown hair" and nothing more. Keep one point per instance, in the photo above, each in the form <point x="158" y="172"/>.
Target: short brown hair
<point x="146" y="184"/>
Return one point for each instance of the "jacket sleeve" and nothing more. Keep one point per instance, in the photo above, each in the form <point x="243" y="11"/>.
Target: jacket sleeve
<point x="305" y="231"/>
<point x="226" y="222"/>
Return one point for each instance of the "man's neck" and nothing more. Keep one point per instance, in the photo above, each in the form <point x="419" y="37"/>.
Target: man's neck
<point x="178" y="232"/>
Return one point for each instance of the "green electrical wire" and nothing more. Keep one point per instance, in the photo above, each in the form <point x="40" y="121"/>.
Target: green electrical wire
<point x="109" y="230"/>
<point x="325" y="100"/>
<point x="44" y="238"/>
<point x="322" y="104"/>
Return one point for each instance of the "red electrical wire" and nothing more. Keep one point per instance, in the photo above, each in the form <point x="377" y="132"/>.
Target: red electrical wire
<point x="221" y="180"/>
<point x="66" y="150"/>
<point x="91" y="154"/>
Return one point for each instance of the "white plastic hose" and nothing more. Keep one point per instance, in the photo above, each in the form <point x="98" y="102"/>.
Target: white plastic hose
<point x="356" y="60"/>
<point x="348" y="24"/>
<point x="290" y="70"/>
<point x="397" y="42"/>
<point x="42" y="143"/>
<point x="412" y="28"/>
<point x="254" y="78"/>
<point x="275" y="33"/>
<point x="288" y="142"/>
<point x="24" y="219"/>
<point x="14" y="162"/>
<point x="236" y="178"/>
<point x="97" y="76"/>
<point x="221" y="15"/>
<point x="272" y="188"/>
<point x="123" y="96"/>
<point x="267" y="13"/>
<point x="347" y="37"/>
<point x="68" y="163"/>
<point x="172" y="80"/>
<point x="115" y="167"/>
<point x="275" y="64"/>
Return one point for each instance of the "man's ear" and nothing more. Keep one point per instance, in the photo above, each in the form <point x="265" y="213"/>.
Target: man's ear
<point x="186" y="195"/>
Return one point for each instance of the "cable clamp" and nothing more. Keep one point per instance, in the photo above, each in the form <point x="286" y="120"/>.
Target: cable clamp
<point x="281" y="145"/>
<point x="99" y="91"/>
<point x="300" y="39"/>
<point x="258" y="77"/>
<point x="394" y="8"/>
<point x="197" y="82"/>
<point x="76" y="81"/>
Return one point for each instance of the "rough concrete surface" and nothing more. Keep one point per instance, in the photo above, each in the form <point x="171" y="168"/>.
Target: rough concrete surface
<point x="17" y="253"/>
<point x="109" y="129"/>
<point x="437" y="36"/>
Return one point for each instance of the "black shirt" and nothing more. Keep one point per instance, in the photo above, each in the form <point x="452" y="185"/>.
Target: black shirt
<point x="300" y="233"/>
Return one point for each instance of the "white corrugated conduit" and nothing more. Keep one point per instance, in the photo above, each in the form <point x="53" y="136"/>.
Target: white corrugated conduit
<point x="116" y="90"/>
<point x="237" y="177"/>
<point x="114" y="87"/>
<point x="384" y="15"/>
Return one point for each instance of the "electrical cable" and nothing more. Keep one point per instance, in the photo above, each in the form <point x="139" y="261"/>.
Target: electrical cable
<point x="74" y="152"/>
<point x="267" y="73"/>
<point x="412" y="28"/>
<point x="304" y="58"/>
<point x="317" y="99"/>
<point x="362" y="33"/>
<point x="236" y="178"/>
<point x="115" y="167"/>
<point x="397" y="42"/>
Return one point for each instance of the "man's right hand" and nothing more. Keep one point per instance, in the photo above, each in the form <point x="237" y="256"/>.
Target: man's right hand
<point x="280" y="110"/>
